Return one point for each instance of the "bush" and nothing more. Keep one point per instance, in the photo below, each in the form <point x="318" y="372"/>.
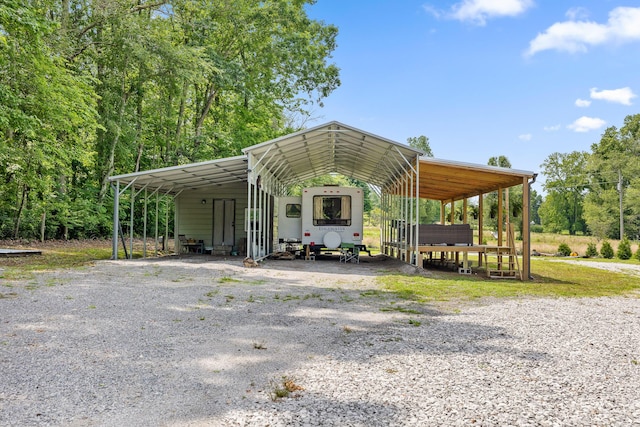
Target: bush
<point x="536" y="228"/>
<point x="624" y="249"/>
<point x="564" y="249"/>
<point x="606" y="250"/>
<point x="592" y="250"/>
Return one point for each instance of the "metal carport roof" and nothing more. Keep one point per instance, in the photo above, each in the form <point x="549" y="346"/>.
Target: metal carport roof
<point x="329" y="148"/>
<point x="174" y="179"/>
<point x="333" y="148"/>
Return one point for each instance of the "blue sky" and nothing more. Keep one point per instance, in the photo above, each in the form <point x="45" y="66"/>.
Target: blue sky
<point x="483" y="78"/>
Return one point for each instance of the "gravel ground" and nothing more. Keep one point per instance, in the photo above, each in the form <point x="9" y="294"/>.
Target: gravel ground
<point x="196" y="342"/>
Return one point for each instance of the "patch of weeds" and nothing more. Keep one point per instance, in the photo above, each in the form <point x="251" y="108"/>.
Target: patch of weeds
<point x="259" y="346"/>
<point x="313" y="295"/>
<point x="51" y="283"/>
<point x="415" y="322"/>
<point x="346" y="329"/>
<point x="228" y="279"/>
<point x="69" y="297"/>
<point x="229" y="298"/>
<point x="256" y="282"/>
<point x="201" y="318"/>
<point x="372" y="293"/>
<point x="391" y="371"/>
<point x="211" y="294"/>
<point x="31" y="286"/>
<point x="635" y="362"/>
<point x="346" y="298"/>
<point x="17" y="274"/>
<point x="8" y="295"/>
<point x="92" y="307"/>
<point x="400" y="309"/>
<point x="177" y="320"/>
<point x="290" y="297"/>
<point x="276" y="296"/>
<point x="279" y="389"/>
<point x="251" y="299"/>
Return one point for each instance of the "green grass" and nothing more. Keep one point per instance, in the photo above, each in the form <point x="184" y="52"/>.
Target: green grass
<point x="551" y="279"/>
<point x="21" y="268"/>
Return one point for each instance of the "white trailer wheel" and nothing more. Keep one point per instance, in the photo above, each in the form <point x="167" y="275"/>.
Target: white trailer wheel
<point x="332" y="240"/>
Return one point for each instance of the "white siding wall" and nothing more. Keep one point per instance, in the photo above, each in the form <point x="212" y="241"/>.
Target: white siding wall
<point x="195" y="220"/>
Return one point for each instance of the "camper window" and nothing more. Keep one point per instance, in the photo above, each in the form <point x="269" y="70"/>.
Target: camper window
<point x="332" y="210"/>
<point x="293" y="210"/>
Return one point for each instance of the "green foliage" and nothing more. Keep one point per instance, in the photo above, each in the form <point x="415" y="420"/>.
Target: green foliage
<point x="536" y="228"/>
<point x="606" y="250"/>
<point x="564" y="249"/>
<point x="100" y="88"/>
<point x="421" y="143"/>
<point x="624" y="249"/>
<point x="592" y="250"/>
<point x="637" y="254"/>
<point x="613" y="169"/>
<point x="565" y="184"/>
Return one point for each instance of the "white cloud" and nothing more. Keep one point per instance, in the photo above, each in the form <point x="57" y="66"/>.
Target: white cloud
<point x="525" y="137"/>
<point x="621" y="96"/>
<point x="551" y="128"/>
<point x="573" y="36"/>
<point x="478" y="11"/>
<point x="576" y="13"/>
<point x="582" y="102"/>
<point x="586" y="124"/>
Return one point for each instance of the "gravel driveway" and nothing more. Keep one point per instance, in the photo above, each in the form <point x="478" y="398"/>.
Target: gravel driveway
<point x="195" y="342"/>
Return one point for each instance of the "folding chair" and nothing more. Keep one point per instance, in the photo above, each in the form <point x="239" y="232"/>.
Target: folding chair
<point x="349" y="253"/>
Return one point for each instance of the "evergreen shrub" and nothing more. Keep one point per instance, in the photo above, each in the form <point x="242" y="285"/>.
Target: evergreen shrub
<point x="606" y="250"/>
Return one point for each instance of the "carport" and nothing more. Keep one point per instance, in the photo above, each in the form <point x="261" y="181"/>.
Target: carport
<point x="393" y="170"/>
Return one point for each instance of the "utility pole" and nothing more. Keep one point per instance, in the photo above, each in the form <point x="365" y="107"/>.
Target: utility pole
<point x="621" y="210"/>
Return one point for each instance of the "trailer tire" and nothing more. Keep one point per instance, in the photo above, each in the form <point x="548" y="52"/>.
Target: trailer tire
<point x="332" y="240"/>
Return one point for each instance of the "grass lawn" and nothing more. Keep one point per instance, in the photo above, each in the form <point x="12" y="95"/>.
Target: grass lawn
<point x="550" y="279"/>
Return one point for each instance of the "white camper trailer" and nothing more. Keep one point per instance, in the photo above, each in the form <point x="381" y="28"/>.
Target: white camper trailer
<point x="327" y="217"/>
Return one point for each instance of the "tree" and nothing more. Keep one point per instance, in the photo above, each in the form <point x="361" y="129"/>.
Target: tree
<point x="499" y="161"/>
<point x="90" y="89"/>
<point x="48" y="118"/>
<point x="606" y="250"/>
<point x="421" y="143"/>
<point x="614" y="172"/>
<point x="624" y="249"/>
<point x="566" y="183"/>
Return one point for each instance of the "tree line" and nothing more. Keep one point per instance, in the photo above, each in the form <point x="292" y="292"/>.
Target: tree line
<point x="598" y="192"/>
<point x="92" y="88"/>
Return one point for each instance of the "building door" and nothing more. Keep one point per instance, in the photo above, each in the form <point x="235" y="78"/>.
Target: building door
<point x="224" y="223"/>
